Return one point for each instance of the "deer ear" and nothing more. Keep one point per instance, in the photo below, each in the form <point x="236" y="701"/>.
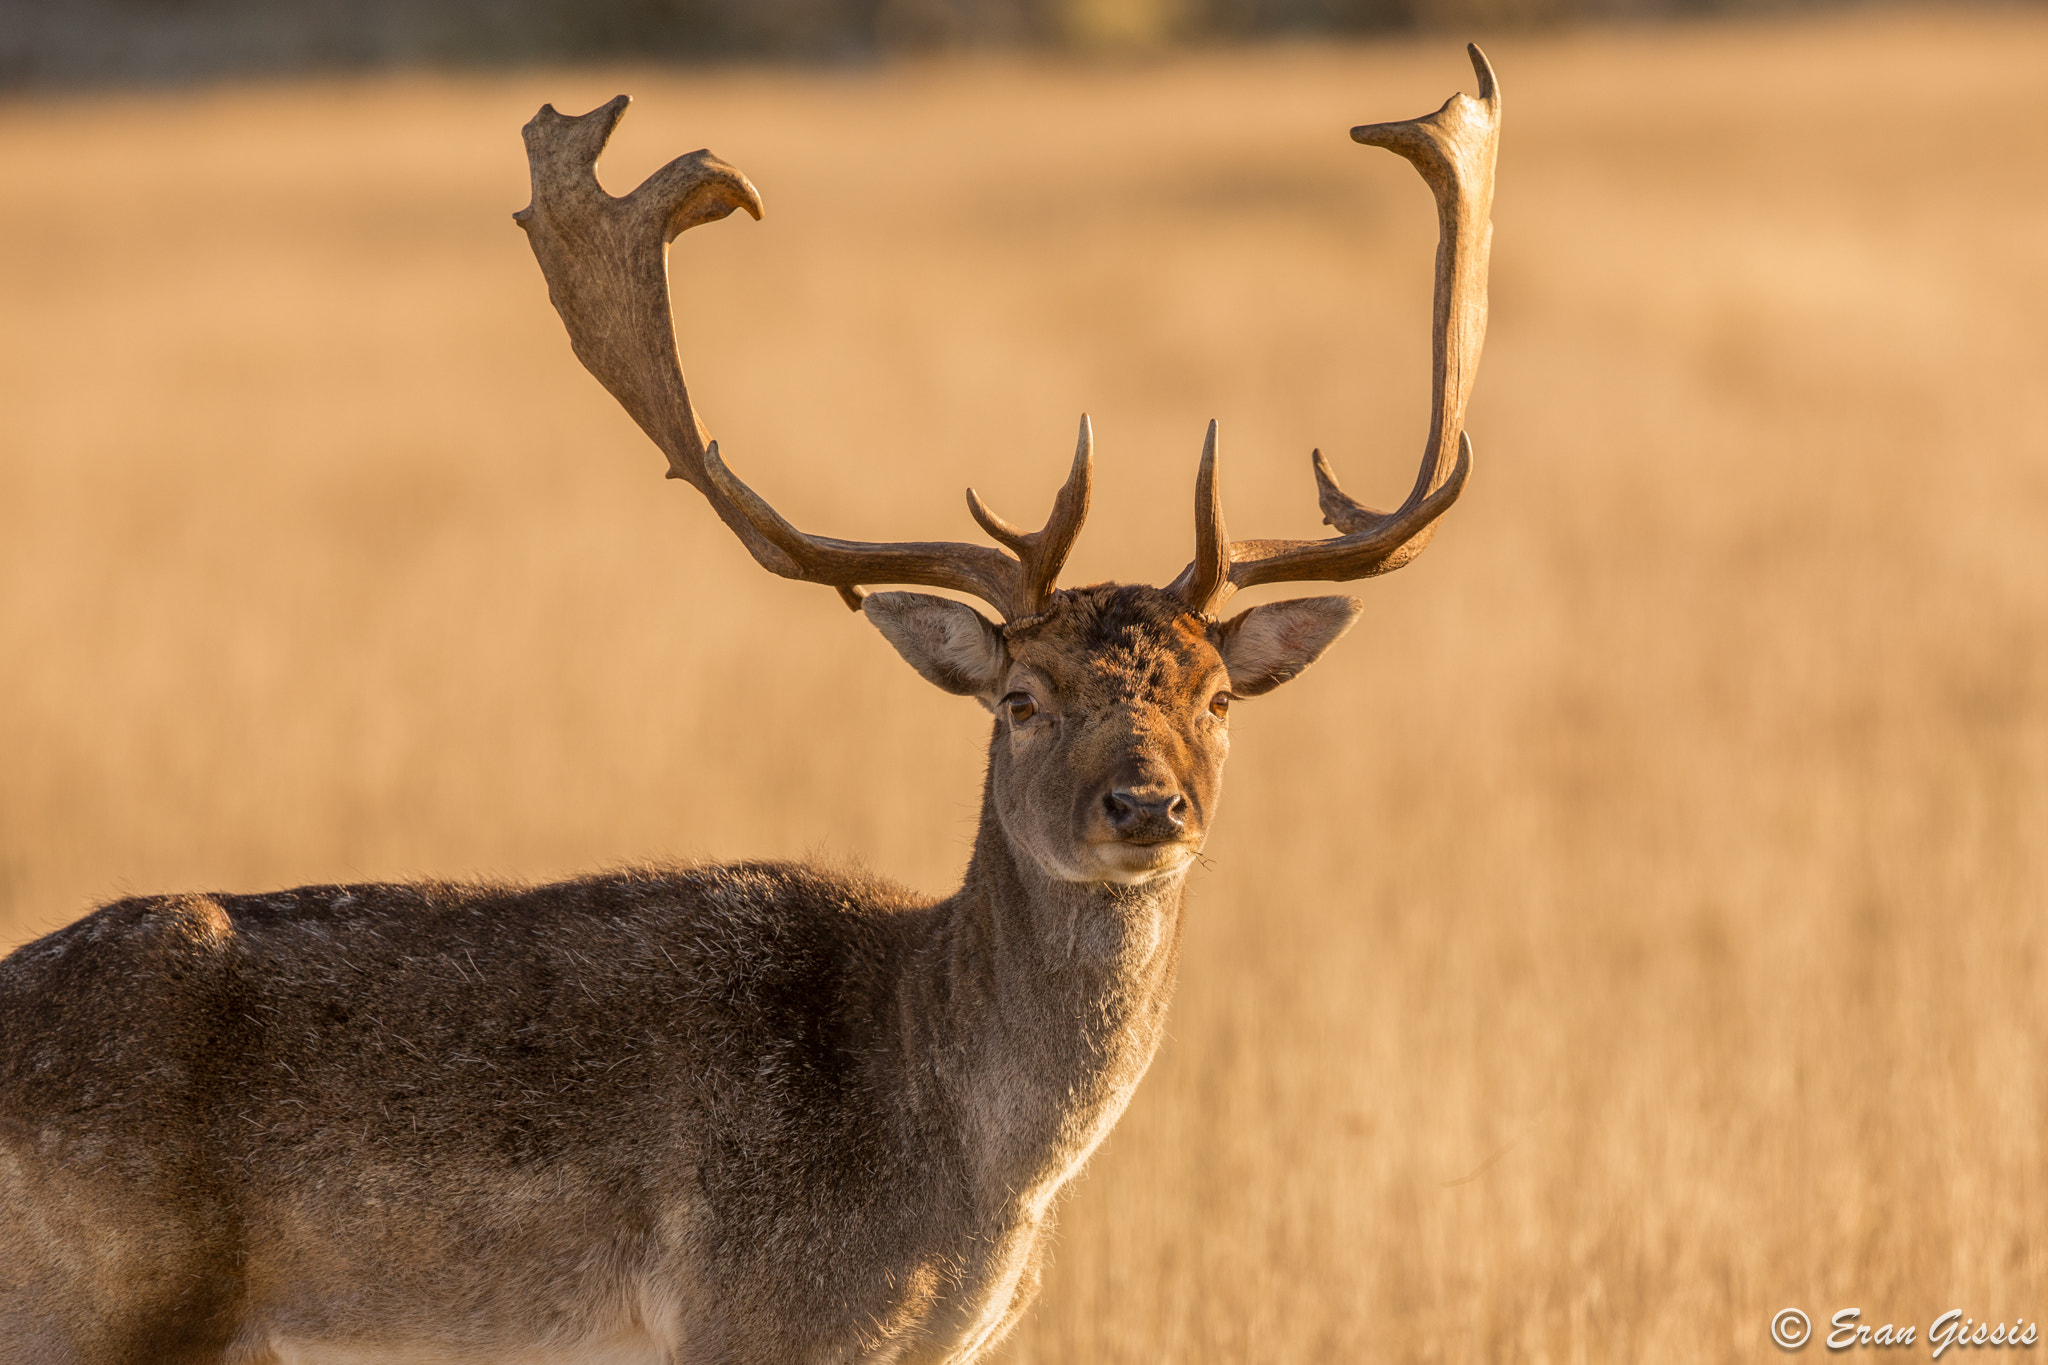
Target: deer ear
<point x="1266" y="645"/>
<point x="950" y="643"/>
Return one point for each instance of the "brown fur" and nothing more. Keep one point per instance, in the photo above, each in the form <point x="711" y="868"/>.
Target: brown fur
<point x="751" y="1113"/>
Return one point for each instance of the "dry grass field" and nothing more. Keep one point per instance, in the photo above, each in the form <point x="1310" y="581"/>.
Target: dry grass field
<point x="1638" y="925"/>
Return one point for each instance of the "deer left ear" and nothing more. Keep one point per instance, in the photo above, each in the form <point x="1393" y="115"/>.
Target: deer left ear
<point x="1266" y="645"/>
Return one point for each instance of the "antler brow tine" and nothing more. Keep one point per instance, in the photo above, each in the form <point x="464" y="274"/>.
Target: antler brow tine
<point x="606" y="264"/>
<point x="1454" y="150"/>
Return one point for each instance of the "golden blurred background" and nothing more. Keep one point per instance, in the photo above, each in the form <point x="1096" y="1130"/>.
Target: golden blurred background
<point x="1635" y="927"/>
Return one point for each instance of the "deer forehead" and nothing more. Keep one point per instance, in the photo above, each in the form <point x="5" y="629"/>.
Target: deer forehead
<point x="1120" y="650"/>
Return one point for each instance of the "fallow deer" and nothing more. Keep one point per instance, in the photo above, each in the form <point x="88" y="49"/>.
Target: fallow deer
<point x="752" y="1113"/>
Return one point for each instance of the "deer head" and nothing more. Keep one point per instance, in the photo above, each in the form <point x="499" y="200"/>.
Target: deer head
<point x="1112" y="701"/>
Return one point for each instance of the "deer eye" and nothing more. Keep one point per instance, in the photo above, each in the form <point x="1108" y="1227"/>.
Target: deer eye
<point x="1219" y="705"/>
<point x="1021" y="706"/>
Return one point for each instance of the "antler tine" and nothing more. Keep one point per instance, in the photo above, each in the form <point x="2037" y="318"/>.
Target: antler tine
<point x="1454" y="150"/>
<point x="1043" y="553"/>
<point x="606" y="263"/>
<point x="1206" y="581"/>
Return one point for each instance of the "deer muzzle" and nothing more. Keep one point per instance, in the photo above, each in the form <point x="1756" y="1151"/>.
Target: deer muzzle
<point x="1146" y="815"/>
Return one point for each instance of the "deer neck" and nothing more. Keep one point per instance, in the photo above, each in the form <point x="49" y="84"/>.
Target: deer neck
<point x="1048" y="1000"/>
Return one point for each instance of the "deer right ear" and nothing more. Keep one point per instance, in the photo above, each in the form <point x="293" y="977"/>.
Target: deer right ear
<point x="950" y="643"/>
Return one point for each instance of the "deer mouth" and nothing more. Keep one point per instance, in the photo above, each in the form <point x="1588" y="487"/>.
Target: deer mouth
<point x="1141" y="860"/>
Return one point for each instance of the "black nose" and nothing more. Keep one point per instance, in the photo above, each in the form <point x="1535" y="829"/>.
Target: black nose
<point x="1145" y="815"/>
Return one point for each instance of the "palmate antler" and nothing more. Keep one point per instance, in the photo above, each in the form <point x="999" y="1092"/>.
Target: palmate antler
<point x="606" y="263"/>
<point x="1454" y="149"/>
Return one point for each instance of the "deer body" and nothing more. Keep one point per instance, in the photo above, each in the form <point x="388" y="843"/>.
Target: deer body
<point x="753" y="1113"/>
<point x="750" y="1113"/>
<point x="742" y="1115"/>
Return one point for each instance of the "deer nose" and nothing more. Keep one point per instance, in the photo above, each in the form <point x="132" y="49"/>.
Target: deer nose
<point x="1137" y="815"/>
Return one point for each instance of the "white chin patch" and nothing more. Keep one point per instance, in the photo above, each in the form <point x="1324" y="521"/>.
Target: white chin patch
<point x="1136" y="864"/>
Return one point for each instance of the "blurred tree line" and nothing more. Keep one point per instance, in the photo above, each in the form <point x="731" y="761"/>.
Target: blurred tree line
<point x="70" y="41"/>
